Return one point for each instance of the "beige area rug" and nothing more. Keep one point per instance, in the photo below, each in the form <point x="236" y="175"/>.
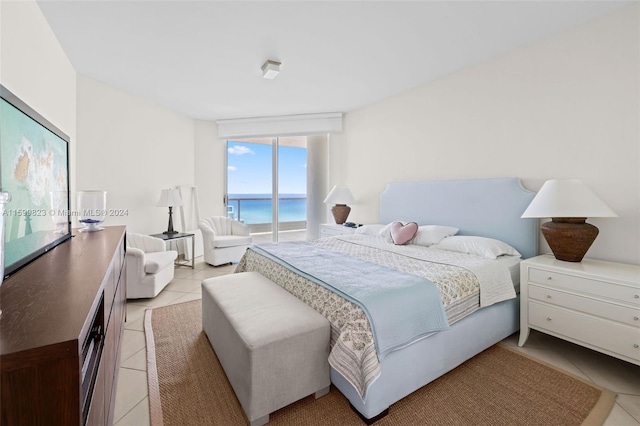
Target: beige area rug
<point x="187" y="386"/>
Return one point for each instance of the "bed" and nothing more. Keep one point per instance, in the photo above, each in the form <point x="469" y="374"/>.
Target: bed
<point x="477" y="207"/>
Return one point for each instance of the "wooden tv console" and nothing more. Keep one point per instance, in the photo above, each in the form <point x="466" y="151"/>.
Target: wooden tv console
<point x="60" y="332"/>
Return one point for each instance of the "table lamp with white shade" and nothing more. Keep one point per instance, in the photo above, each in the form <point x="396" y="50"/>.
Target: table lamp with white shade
<point x="568" y="202"/>
<point x="170" y="198"/>
<point x="340" y="196"/>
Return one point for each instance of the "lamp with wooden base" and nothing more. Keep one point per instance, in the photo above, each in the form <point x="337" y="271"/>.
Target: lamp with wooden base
<point x="568" y="202"/>
<point x="340" y="196"/>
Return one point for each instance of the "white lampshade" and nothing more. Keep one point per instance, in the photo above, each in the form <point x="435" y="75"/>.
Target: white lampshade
<point x="340" y="194"/>
<point x="566" y="198"/>
<point x="169" y="198"/>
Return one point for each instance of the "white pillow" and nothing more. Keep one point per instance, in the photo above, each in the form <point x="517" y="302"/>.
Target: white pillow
<point x="479" y="246"/>
<point x="427" y="234"/>
<point x="373" y="230"/>
<point x="432" y="234"/>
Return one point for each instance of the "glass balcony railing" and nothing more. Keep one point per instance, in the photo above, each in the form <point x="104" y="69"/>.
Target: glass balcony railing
<point x="256" y="212"/>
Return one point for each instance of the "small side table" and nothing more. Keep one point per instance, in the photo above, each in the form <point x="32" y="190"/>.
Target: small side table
<point x="179" y="236"/>
<point x="593" y="303"/>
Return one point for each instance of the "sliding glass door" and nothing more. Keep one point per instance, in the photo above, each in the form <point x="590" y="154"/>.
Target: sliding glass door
<point x="266" y="186"/>
<point x="249" y="182"/>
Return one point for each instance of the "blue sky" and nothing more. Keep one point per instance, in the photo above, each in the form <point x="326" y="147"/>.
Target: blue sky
<point x="249" y="169"/>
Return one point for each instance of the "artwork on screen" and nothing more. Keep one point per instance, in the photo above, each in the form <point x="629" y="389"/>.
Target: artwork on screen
<point x="34" y="169"/>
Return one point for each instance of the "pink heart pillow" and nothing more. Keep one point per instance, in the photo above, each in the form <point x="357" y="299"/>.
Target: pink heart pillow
<point x="402" y="234"/>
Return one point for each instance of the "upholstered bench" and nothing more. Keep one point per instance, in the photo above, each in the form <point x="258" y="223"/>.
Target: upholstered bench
<point x="272" y="346"/>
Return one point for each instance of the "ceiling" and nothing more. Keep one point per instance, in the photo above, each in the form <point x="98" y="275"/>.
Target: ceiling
<point x="203" y="58"/>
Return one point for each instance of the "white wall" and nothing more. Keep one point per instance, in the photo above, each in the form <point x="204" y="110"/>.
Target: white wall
<point x="35" y="68"/>
<point x="317" y="183"/>
<point x="132" y="148"/>
<point x="210" y="172"/>
<point x="563" y="107"/>
<point x="120" y="143"/>
<point x="123" y="144"/>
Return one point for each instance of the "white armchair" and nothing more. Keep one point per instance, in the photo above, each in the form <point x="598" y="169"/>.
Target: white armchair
<point x="149" y="266"/>
<point x="225" y="240"/>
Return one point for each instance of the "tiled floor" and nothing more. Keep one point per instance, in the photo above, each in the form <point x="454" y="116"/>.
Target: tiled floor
<point x="132" y="405"/>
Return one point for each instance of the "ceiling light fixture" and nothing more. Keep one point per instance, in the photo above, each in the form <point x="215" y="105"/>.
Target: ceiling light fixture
<point x="270" y="69"/>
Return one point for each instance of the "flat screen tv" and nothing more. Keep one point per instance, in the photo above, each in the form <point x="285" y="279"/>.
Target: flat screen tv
<point x="34" y="170"/>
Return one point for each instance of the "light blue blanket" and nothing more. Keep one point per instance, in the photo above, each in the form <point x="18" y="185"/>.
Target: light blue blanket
<point x="401" y="307"/>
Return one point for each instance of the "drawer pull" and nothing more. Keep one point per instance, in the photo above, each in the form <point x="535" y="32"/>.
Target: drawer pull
<point x="635" y="318"/>
<point x="635" y="296"/>
<point x="548" y="318"/>
<point x="548" y="296"/>
<point x="549" y="278"/>
<point x="636" y="346"/>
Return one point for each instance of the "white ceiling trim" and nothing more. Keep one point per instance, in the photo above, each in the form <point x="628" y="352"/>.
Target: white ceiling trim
<point x="284" y="125"/>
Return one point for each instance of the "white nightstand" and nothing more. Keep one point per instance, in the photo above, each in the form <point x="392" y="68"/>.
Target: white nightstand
<point x="592" y="303"/>
<point x="330" y="230"/>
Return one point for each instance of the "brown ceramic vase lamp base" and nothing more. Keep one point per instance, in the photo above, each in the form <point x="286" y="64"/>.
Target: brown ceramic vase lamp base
<point x="569" y="237"/>
<point x="340" y="213"/>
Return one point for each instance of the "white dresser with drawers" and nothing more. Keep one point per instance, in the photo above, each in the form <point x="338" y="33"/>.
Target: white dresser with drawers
<point x="592" y="303"/>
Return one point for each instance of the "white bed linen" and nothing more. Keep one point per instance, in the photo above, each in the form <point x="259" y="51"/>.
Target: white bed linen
<point x="512" y="263"/>
<point x="495" y="280"/>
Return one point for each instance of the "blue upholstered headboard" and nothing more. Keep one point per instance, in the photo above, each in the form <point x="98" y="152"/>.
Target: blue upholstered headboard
<point x="484" y="207"/>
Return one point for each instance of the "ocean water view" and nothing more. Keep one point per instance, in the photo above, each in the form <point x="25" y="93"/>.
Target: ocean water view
<point x="257" y="208"/>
